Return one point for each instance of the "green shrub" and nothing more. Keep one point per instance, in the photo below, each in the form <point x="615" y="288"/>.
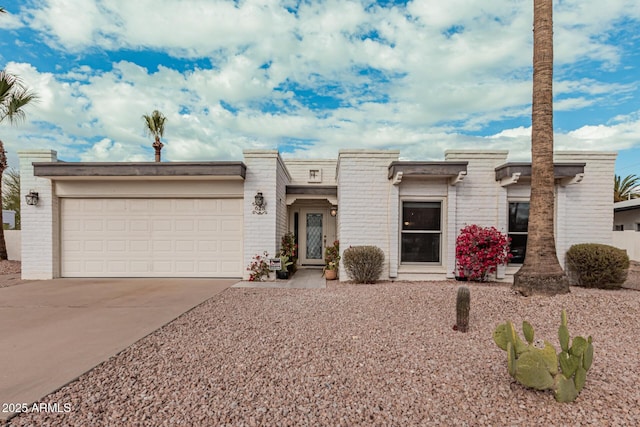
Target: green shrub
<point x="593" y="265"/>
<point x="363" y="263"/>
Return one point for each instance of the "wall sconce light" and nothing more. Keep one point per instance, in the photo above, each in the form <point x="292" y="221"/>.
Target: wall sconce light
<point x="32" y="198"/>
<point x="334" y="211"/>
<point x="259" y="204"/>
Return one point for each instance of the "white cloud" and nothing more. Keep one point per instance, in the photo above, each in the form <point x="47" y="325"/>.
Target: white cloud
<point x="10" y="21"/>
<point x="420" y="77"/>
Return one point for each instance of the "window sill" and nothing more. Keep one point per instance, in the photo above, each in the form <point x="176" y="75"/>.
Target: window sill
<point x="421" y="268"/>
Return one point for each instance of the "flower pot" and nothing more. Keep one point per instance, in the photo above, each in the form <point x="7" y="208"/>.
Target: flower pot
<point x="282" y="274"/>
<point x="330" y="274"/>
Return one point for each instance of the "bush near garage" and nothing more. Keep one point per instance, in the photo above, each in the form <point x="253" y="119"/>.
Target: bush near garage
<point x="594" y="265"/>
<point x="363" y="263"/>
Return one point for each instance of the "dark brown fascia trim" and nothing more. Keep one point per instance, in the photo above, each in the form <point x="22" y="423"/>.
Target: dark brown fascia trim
<point x="314" y="190"/>
<point x="626" y="208"/>
<point x="112" y="169"/>
<point x="427" y="169"/>
<point x="560" y="170"/>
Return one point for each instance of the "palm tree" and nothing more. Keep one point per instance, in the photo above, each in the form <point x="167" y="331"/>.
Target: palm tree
<point x="625" y="189"/>
<point x="154" y="126"/>
<point x="541" y="272"/>
<point x="14" y="96"/>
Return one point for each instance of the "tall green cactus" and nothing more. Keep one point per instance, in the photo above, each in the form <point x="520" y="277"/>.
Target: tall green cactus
<point x="463" y="304"/>
<point x="535" y="364"/>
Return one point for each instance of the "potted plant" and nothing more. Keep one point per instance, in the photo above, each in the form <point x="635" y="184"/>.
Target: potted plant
<point x="332" y="261"/>
<point x="285" y="263"/>
<point x="289" y="248"/>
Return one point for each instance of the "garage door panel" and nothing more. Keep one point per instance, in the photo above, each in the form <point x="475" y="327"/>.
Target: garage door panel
<point x="205" y="225"/>
<point x="139" y="225"/>
<point x="184" y="225"/>
<point x="151" y="237"/>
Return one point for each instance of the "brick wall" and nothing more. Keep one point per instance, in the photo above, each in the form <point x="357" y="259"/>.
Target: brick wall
<point x="266" y="173"/>
<point x="40" y="230"/>
<point x="585" y="210"/>
<point x="366" y="206"/>
<point x="299" y="170"/>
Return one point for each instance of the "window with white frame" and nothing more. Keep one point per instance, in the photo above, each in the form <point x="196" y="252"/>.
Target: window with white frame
<point x="421" y="236"/>
<point x="518" y="230"/>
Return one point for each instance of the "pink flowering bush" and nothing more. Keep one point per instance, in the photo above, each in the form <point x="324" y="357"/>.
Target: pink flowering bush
<point x="479" y="250"/>
<point x="259" y="267"/>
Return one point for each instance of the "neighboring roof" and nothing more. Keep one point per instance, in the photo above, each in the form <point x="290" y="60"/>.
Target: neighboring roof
<point x="626" y="205"/>
<point x="560" y="170"/>
<point x="427" y="169"/>
<point x="62" y="170"/>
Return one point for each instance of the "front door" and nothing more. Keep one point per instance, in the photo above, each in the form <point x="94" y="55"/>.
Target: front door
<point x="312" y="237"/>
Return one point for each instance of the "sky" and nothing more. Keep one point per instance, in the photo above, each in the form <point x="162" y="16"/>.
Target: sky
<point x="312" y="77"/>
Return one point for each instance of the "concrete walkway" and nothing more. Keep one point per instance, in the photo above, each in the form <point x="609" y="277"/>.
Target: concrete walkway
<point x="304" y="278"/>
<point x="53" y="331"/>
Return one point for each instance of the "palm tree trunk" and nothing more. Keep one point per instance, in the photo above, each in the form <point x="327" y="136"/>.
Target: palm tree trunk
<point x="3" y="166"/>
<point x="157" y="145"/>
<point x="541" y="272"/>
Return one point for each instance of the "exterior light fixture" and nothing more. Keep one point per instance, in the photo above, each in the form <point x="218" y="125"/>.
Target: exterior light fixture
<point x="32" y="198"/>
<point x="259" y="204"/>
<point x="334" y="211"/>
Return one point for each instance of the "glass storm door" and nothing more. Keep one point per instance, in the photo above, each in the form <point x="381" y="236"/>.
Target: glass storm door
<point x="313" y="249"/>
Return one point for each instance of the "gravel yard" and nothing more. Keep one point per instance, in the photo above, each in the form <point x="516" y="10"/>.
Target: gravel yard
<point x="382" y="354"/>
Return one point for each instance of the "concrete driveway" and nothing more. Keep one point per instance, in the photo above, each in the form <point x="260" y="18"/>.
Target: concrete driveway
<point x="53" y="331"/>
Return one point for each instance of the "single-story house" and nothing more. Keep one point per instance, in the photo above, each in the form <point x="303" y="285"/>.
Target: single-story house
<point x="208" y="219"/>
<point x="626" y="215"/>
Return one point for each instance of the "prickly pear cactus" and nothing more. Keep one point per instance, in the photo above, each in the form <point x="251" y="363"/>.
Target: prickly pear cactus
<point x="535" y="364"/>
<point x="463" y="304"/>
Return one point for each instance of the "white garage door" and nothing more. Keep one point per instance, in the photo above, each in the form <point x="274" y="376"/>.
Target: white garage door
<point x="151" y="237"/>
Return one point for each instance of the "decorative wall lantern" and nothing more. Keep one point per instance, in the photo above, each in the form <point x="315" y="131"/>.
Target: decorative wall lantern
<point x="259" y="204"/>
<point x="32" y="198"/>
<point x="334" y="211"/>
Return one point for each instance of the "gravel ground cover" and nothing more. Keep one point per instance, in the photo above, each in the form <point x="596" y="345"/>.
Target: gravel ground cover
<point x="383" y="354"/>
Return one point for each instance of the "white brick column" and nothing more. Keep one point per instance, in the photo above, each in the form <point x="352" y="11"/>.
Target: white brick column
<point x="366" y="204"/>
<point x="40" y="223"/>
<point x="266" y="173"/>
<point x="479" y="199"/>
<point x="584" y="212"/>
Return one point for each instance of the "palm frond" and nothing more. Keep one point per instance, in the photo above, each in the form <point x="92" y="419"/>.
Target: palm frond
<point x="13" y="97"/>
<point x="625" y="188"/>
<point x="154" y="124"/>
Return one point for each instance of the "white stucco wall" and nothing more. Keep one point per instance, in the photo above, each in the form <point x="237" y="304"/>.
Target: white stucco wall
<point x="628" y="219"/>
<point x="40" y="230"/>
<point x="13" y="240"/>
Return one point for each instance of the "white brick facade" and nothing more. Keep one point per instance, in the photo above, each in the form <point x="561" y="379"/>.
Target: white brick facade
<point x="40" y="223"/>
<point x="367" y="210"/>
<point x="370" y="204"/>
<point x="585" y="210"/>
<point x="265" y="173"/>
